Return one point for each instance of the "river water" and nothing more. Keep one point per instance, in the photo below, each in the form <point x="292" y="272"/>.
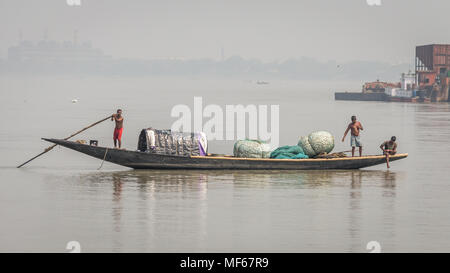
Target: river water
<point x="62" y="197"/>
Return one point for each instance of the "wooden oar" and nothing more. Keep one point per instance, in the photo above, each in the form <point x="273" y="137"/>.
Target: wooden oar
<point x="54" y="145"/>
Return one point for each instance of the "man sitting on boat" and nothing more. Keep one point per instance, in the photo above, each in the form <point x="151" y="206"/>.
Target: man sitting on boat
<point x="389" y="147"/>
<point x="355" y="127"/>
<point x="118" y="130"/>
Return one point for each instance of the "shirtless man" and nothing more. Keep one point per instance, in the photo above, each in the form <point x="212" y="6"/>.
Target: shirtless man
<point x="355" y="127"/>
<point x="118" y="118"/>
<point x="389" y="147"/>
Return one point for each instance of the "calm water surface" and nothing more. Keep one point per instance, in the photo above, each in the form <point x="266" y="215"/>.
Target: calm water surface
<point x="63" y="197"/>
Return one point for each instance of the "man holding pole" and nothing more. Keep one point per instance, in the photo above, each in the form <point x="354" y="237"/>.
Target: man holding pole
<point x="72" y="135"/>
<point x="117" y="136"/>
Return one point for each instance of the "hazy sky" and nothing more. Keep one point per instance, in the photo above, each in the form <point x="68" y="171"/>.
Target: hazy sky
<point x="342" y="30"/>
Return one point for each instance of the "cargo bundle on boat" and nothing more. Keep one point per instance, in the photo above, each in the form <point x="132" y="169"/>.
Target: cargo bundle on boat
<point x="172" y="143"/>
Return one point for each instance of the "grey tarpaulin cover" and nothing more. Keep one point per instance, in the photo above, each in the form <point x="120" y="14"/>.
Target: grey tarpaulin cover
<point x="172" y="143"/>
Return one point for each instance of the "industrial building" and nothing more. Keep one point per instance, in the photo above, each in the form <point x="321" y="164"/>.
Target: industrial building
<point x="429" y="83"/>
<point x="433" y="71"/>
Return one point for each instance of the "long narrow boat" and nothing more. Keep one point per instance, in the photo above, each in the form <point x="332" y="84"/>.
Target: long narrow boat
<point x="145" y="160"/>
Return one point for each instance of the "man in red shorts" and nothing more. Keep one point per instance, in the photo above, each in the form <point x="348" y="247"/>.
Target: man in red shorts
<point x="119" y="128"/>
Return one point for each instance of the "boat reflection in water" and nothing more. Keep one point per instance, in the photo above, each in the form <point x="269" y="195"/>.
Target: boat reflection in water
<point x="148" y="208"/>
<point x="150" y="182"/>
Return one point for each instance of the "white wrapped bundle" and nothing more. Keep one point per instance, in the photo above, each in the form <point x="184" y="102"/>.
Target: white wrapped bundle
<point x="317" y="143"/>
<point x="251" y="149"/>
<point x="304" y="143"/>
<point x="321" y="142"/>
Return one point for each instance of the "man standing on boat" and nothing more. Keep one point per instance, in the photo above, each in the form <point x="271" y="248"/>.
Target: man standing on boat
<point x="117" y="137"/>
<point x="355" y="127"/>
<point x="389" y="147"/>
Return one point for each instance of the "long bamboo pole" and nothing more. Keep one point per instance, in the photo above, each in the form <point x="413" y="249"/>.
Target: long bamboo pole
<point x="54" y="145"/>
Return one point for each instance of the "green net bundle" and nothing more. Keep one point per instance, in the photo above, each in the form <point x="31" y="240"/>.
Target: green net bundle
<point x="288" y="152"/>
<point x="316" y="143"/>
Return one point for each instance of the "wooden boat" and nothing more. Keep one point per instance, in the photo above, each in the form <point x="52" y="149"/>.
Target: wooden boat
<point x="145" y="160"/>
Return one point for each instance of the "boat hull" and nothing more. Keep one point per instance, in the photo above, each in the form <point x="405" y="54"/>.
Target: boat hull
<point x="143" y="160"/>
